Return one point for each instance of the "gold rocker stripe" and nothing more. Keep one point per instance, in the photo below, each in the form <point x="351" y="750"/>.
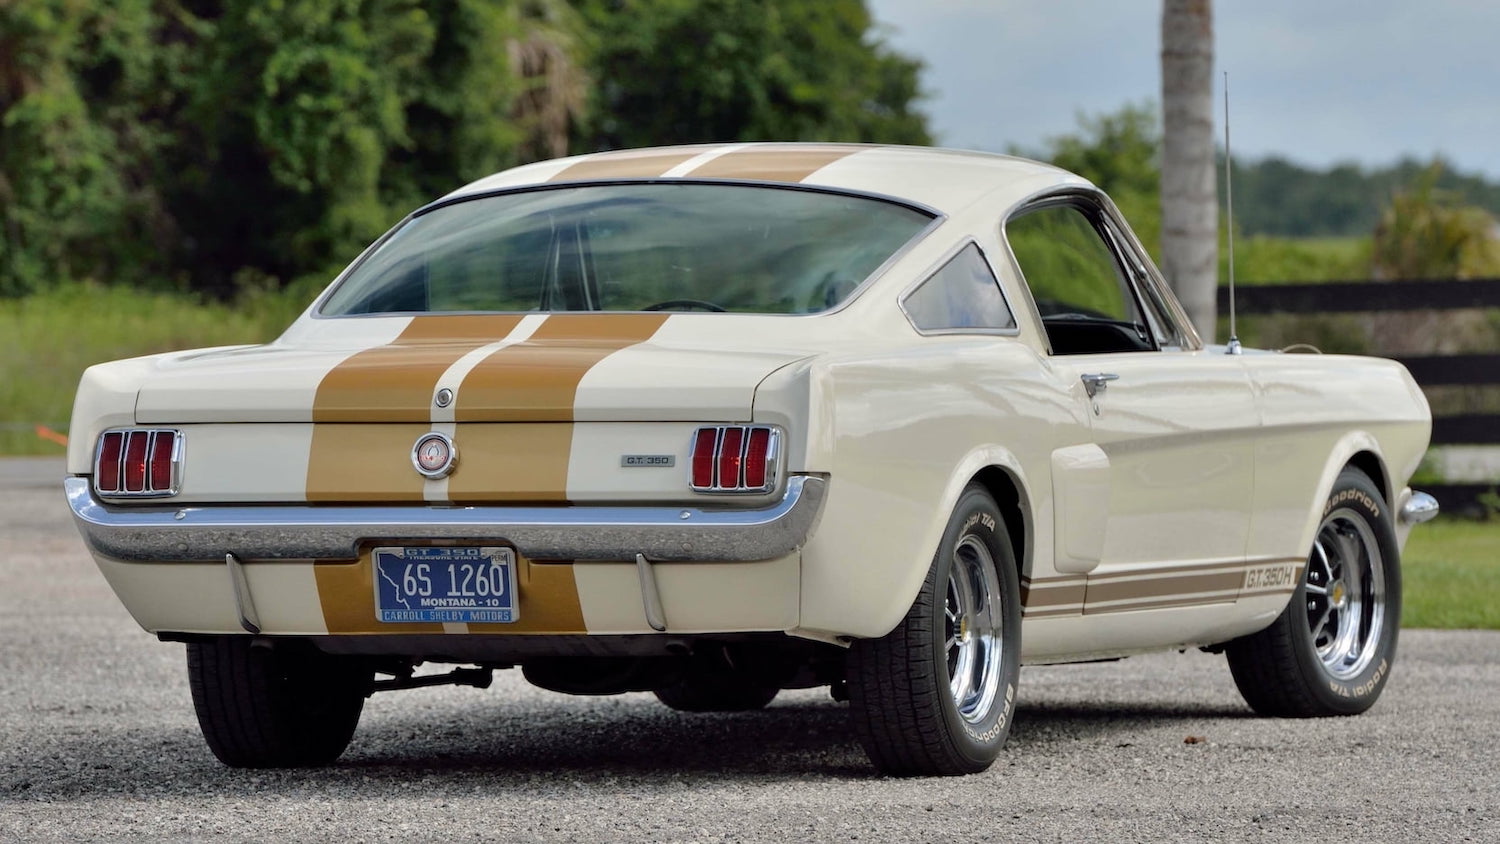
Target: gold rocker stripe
<point x="771" y="163"/>
<point x="1141" y="589"/>
<point x="1165" y="588"/>
<point x="1039" y="594"/>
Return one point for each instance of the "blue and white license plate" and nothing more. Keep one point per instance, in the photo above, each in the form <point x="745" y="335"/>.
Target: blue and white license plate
<point x="454" y="585"/>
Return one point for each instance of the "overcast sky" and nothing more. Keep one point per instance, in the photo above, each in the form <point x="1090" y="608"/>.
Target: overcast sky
<point x="1316" y="81"/>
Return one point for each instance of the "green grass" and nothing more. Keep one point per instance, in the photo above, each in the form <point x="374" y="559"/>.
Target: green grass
<point x="1271" y="260"/>
<point x="48" y="339"/>
<point x="1451" y="575"/>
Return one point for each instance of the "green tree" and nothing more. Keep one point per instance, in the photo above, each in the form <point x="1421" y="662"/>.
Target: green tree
<point x="75" y="196"/>
<point x="1120" y="153"/>
<point x="684" y="71"/>
<point x="213" y="144"/>
<point x="1429" y="233"/>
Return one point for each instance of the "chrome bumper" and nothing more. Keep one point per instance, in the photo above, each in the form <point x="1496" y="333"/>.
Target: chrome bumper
<point x="300" y="532"/>
<point x="1419" y="507"/>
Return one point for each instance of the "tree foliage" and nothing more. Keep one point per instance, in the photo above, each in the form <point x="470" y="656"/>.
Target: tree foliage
<point x="1277" y="196"/>
<point x="1430" y="233"/>
<point x="1120" y="152"/>
<point x="210" y="145"/>
<point x="683" y="71"/>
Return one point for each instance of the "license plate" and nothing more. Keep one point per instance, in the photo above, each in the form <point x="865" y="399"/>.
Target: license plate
<point x="454" y="585"/>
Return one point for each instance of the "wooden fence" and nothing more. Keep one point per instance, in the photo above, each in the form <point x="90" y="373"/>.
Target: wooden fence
<point x="1466" y="370"/>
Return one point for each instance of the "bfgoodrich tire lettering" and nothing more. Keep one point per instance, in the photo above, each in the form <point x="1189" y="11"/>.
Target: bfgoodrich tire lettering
<point x="935" y="695"/>
<point x="261" y="706"/>
<point x="1330" y="652"/>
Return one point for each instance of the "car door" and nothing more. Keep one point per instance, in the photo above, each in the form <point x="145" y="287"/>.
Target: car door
<point x="1168" y="474"/>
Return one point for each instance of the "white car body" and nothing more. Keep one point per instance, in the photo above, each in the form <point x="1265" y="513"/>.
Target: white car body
<point x="1175" y="507"/>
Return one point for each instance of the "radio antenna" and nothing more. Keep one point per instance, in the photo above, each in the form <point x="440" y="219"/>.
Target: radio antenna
<point x="1234" y="338"/>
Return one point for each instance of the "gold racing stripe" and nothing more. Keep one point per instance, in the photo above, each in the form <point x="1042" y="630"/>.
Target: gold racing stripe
<point x="537" y="379"/>
<point x="772" y="163"/>
<point x="514" y="462"/>
<point x="371" y="408"/>
<point x="532" y="386"/>
<point x="364" y="463"/>
<point x="548" y="597"/>
<point x="548" y="594"/>
<point x="395" y="383"/>
<point x="347" y="593"/>
<point x="646" y="164"/>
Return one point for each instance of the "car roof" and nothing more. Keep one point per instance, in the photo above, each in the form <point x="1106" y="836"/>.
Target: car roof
<point x="941" y="179"/>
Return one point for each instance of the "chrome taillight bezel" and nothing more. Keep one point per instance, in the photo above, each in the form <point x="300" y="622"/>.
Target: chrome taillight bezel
<point x="149" y="488"/>
<point x="738" y="487"/>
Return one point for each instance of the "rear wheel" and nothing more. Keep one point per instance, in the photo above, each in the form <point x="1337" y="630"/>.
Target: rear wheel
<point x="286" y="705"/>
<point x="935" y="695"/>
<point x="1331" y="649"/>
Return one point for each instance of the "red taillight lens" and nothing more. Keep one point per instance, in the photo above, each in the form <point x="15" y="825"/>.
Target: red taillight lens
<point x="138" y="463"/>
<point x="730" y="456"/>
<point x="756" y="451"/>
<point x="703" y="457"/>
<point x="161" y="460"/>
<point x="107" y="473"/>
<point x="735" y="458"/>
<point x="135" y="461"/>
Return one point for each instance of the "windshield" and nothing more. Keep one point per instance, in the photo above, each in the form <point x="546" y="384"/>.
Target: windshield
<point x="632" y="247"/>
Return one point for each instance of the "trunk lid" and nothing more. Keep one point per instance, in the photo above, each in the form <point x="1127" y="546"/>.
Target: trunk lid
<point x="531" y="381"/>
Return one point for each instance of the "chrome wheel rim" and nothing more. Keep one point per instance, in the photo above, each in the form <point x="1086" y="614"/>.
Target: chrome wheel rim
<point x="972" y="636"/>
<point x="1345" y="594"/>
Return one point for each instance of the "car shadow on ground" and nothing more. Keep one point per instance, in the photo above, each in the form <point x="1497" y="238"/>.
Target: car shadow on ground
<point x="521" y="746"/>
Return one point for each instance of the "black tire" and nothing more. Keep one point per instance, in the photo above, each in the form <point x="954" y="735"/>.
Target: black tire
<point x="273" y="707"/>
<point x="910" y="714"/>
<point x="1330" y="651"/>
<point x="718" y="691"/>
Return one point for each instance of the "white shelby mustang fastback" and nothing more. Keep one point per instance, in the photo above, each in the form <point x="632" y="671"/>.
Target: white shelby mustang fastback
<point x="717" y="421"/>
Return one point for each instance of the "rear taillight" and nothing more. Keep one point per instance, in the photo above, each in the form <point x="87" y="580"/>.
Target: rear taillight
<point x="138" y="463"/>
<point x="735" y="458"/>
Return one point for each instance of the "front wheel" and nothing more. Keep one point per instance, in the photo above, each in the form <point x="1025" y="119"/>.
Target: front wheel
<point x="935" y="695"/>
<point x="1330" y="651"/>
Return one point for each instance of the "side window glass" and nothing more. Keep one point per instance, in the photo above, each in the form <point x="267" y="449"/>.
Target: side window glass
<point x="1086" y="304"/>
<point x="962" y="295"/>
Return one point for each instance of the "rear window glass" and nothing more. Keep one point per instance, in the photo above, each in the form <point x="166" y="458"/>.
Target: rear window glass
<point x="635" y="247"/>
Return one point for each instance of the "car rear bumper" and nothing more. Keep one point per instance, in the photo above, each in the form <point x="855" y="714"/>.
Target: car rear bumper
<point x="307" y="532"/>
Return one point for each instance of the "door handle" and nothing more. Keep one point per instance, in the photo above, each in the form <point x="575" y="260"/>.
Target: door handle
<point x="1095" y="382"/>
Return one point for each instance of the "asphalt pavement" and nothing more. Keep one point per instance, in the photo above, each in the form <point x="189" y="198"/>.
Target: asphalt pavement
<point x="98" y="742"/>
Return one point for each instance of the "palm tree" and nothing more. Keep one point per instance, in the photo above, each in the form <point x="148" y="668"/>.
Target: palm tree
<point x="543" y="56"/>
<point x="1189" y="200"/>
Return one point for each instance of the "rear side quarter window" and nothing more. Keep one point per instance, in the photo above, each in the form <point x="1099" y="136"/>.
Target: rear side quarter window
<point x="962" y="296"/>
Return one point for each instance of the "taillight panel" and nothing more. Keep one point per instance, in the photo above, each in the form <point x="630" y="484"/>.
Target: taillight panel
<point x="735" y="459"/>
<point x="138" y="463"/>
